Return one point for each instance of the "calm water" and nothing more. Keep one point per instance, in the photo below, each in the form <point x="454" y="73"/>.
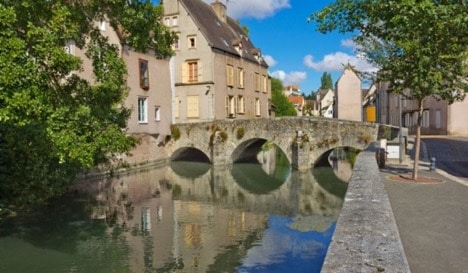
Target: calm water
<point x="186" y="217"/>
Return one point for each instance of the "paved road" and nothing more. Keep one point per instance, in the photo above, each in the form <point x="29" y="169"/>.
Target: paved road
<point x="433" y="218"/>
<point x="451" y="154"/>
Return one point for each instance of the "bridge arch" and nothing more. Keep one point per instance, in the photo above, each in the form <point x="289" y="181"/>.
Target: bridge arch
<point x="190" y="154"/>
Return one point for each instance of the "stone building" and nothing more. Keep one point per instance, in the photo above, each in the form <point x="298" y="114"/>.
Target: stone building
<point x="217" y="73"/>
<point x="149" y="96"/>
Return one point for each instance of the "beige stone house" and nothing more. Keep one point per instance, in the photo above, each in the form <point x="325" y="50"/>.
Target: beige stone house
<point x="325" y="101"/>
<point x="149" y="95"/>
<point x="216" y="71"/>
<point x="348" y="95"/>
<point x="439" y="118"/>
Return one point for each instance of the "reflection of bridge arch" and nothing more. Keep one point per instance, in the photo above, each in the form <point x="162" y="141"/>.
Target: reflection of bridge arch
<point x="324" y="159"/>
<point x="302" y="139"/>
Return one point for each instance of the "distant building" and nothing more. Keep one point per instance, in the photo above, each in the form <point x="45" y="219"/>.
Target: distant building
<point x="369" y="104"/>
<point x="348" y="95"/>
<point x="298" y="102"/>
<point x="292" y="90"/>
<point x="325" y="101"/>
<point x="217" y="72"/>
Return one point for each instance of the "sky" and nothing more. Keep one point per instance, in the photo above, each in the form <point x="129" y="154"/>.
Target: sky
<point x="295" y="52"/>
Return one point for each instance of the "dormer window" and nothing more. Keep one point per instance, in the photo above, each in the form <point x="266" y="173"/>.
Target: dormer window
<point x="144" y="74"/>
<point x="192" y="42"/>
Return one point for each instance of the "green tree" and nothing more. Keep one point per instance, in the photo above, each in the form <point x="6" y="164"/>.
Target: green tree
<point x="280" y="101"/>
<point x="54" y="124"/>
<point x="326" y="81"/>
<point x="419" y="45"/>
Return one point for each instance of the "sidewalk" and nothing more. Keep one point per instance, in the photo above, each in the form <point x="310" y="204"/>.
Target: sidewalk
<point x="432" y="218"/>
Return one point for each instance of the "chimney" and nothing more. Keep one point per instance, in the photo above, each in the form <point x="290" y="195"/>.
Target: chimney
<point x="220" y="10"/>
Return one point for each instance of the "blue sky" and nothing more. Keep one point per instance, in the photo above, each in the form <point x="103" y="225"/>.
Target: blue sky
<point x="296" y="53"/>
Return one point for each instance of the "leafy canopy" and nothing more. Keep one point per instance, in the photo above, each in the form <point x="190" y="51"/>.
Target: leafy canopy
<point x="326" y="81"/>
<point x="280" y="101"/>
<point x="53" y="123"/>
<point x="419" y="45"/>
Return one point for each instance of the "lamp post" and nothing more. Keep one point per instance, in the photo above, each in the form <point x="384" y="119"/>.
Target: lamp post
<point x="400" y="157"/>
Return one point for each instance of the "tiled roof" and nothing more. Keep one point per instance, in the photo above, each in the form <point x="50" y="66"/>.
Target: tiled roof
<point x="297" y="100"/>
<point x="224" y="36"/>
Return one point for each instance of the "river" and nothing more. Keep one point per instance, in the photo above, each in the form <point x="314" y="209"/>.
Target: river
<point x="183" y="217"/>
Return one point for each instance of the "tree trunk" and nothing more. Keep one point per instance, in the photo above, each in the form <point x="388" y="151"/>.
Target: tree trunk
<point x="418" y="140"/>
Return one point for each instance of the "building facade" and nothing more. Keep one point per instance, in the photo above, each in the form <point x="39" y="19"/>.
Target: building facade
<point x="216" y="71"/>
<point x="149" y="90"/>
<point x="439" y="118"/>
<point x="348" y="95"/>
<point x="325" y="101"/>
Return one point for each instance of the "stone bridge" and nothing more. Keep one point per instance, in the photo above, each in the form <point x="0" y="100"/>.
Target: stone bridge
<point x="304" y="140"/>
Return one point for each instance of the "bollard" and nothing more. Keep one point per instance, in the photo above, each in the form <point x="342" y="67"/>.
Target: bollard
<point x="432" y="165"/>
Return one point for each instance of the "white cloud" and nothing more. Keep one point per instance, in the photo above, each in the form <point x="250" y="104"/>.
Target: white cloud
<point x="335" y="61"/>
<point x="349" y="43"/>
<point x="258" y="9"/>
<point x="270" y="60"/>
<point x="293" y="77"/>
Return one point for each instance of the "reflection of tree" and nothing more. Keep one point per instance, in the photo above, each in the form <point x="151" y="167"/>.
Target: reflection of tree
<point x="230" y="257"/>
<point x="327" y="178"/>
<point x="253" y="178"/>
<point x="64" y="225"/>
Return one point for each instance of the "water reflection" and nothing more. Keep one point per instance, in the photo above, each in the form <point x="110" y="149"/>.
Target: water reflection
<point x="186" y="217"/>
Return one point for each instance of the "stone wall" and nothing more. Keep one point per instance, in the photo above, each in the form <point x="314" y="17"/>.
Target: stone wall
<point x="366" y="237"/>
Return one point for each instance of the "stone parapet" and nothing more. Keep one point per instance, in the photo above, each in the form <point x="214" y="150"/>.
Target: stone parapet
<point x="366" y="238"/>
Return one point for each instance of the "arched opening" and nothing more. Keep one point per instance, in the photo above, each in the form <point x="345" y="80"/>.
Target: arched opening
<point x="248" y="150"/>
<point x="190" y="154"/>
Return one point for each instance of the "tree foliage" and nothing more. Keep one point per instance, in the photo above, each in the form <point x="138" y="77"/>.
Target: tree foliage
<point x="53" y="123"/>
<point x="419" y="45"/>
<point x="280" y="101"/>
<point x="326" y="81"/>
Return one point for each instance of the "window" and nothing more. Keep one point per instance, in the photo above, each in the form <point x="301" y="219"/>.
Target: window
<point x="176" y="45"/>
<point x="167" y="21"/>
<point x="192" y="107"/>
<point x="231" y="106"/>
<point x="425" y="121"/>
<point x="438" y="118"/>
<point x="70" y="47"/>
<point x="142" y="109"/>
<point x="174" y="20"/>
<point x="144" y="77"/>
<point x="192" y="71"/>
<point x="230" y="75"/>
<point x="157" y="113"/>
<point x="257" y="82"/>
<point x="192" y="42"/>
<point x="240" y="105"/>
<point x="265" y="83"/>
<point x="257" y="107"/>
<point x="240" y="77"/>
